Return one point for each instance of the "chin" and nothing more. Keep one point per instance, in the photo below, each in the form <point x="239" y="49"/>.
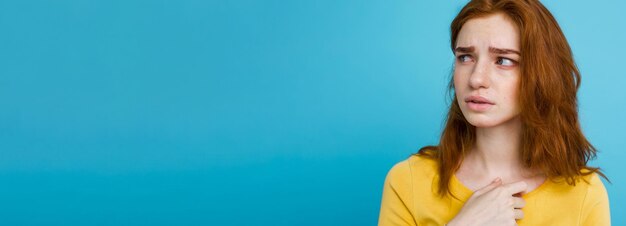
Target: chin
<point x="484" y="121"/>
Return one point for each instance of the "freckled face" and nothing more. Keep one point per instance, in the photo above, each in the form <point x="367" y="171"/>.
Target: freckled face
<point x="486" y="72"/>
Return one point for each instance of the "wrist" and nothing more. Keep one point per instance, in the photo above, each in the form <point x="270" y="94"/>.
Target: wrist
<point x="456" y="222"/>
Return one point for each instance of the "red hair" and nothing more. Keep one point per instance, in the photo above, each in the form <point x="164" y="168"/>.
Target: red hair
<point x="552" y="140"/>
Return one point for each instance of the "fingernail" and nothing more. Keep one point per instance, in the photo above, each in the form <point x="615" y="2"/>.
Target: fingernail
<point x="497" y="180"/>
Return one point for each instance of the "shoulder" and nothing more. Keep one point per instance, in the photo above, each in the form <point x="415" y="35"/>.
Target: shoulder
<point x="590" y="184"/>
<point x="588" y="191"/>
<point x="584" y="184"/>
<point x="414" y="168"/>
<point x="595" y="191"/>
<point x="595" y="208"/>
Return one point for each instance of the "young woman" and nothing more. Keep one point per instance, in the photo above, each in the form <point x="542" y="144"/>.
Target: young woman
<point x="512" y="151"/>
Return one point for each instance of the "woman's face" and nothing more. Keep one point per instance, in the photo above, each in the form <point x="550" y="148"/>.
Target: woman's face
<point x="486" y="70"/>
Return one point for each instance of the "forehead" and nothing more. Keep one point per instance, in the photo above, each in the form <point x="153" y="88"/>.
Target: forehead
<point x="495" y="30"/>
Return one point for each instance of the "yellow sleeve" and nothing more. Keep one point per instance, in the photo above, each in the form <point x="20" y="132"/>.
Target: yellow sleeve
<point x="595" y="210"/>
<point x="397" y="203"/>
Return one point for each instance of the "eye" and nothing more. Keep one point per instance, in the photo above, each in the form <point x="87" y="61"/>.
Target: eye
<point x="505" y="61"/>
<point x="464" y="58"/>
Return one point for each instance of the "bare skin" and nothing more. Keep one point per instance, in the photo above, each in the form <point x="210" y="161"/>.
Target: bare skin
<point x="493" y="205"/>
<point x="487" y="67"/>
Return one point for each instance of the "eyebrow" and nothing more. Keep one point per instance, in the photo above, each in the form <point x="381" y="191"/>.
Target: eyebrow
<point x="495" y="50"/>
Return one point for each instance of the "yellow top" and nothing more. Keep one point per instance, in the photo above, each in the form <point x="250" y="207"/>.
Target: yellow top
<point x="410" y="198"/>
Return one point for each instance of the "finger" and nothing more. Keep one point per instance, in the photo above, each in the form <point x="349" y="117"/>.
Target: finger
<point x="516" y="187"/>
<point x="518" y="202"/>
<point x="495" y="183"/>
<point x="518" y="214"/>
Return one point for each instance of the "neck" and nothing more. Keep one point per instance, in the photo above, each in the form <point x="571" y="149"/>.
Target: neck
<point x="496" y="152"/>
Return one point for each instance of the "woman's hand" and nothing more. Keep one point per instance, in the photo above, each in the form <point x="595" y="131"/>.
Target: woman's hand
<point x="494" y="204"/>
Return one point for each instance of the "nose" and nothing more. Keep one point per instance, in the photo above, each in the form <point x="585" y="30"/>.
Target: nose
<point x="480" y="75"/>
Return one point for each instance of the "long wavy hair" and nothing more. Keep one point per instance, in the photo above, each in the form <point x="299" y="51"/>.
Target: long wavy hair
<point x="552" y="140"/>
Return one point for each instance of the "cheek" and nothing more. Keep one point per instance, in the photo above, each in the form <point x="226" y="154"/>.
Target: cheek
<point x="456" y="77"/>
<point x="512" y="93"/>
<point x="460" y="80"/>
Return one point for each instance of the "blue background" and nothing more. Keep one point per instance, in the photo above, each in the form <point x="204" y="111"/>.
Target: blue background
<point x="243" y="112"/>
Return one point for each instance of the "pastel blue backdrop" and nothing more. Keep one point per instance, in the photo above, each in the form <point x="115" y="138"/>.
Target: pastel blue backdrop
<point x="244" y="112"/>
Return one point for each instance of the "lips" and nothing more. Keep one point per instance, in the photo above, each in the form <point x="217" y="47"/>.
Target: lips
<point x="478" y="103"/>
<point x="478" y="100"/>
